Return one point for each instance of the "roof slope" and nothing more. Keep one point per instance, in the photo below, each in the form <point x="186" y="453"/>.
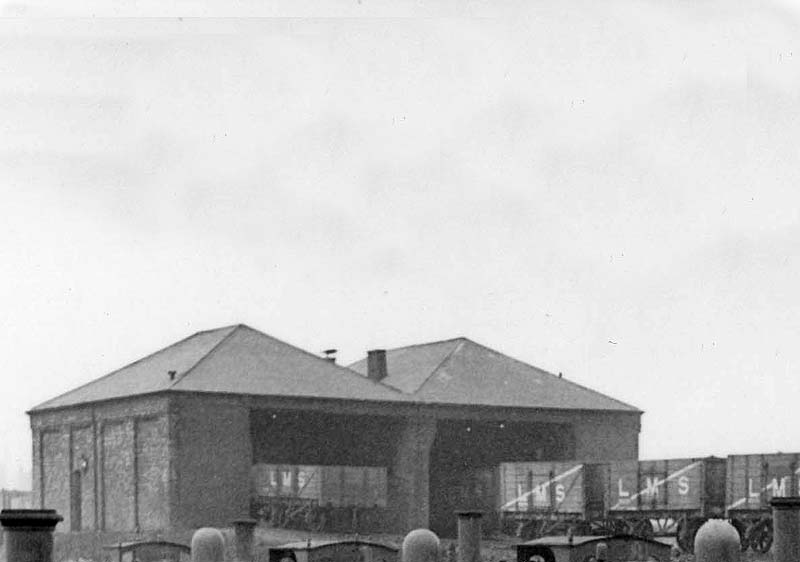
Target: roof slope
<point x="149" y="374"/>
<point x="409" y="367"/>
<point x="251" y="362"/>
<point x="235" y="359"/>
<point x="240" y="360"/>
<point x="461" y="371"/>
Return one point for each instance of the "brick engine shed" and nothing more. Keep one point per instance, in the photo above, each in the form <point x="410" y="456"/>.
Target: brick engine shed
<point x="172" y="441"/>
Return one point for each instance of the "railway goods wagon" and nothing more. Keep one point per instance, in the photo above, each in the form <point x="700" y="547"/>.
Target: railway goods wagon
<point x="751" y="482"/>
<point x="648" y="497"/>
<point x="641" y="498"/>
<point x="546" y="498"/>
<point x="313" y="496"/>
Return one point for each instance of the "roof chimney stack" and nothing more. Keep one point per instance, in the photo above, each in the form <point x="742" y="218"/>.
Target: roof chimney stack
<point x="376" y="365"/>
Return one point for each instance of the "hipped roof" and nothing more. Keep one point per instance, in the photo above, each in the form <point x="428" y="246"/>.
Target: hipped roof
<point x="460" y="371"/>
<point x="235" y="359"/>
<point x="240" y="360"/>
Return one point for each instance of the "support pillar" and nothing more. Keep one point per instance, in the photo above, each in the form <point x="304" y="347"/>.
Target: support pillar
<point x="786" y="529"/>
<point x="409" y="475"/>
<point x="29" y="534"/>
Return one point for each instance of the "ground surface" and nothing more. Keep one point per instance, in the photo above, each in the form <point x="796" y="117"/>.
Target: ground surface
<point x="87" y="547"/>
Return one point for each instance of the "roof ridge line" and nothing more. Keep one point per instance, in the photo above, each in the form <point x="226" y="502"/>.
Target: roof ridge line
<point x="422" y="344"/>
<point x="131" y="364"/>
<point x="442" y="362"/>
<point x="559" y="378"/>
<point x="206" y="354"/>
<point x="335" y="365"/>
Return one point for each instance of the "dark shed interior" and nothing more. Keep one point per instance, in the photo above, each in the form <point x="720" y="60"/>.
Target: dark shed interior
<point x="465" y="454"/>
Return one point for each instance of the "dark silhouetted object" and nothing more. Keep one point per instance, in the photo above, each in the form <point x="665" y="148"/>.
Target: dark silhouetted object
<point x="243" y="528"/>
<point x="786" y="529"/>
<point x="469" y="536"/>
<point x="29" y="534"/>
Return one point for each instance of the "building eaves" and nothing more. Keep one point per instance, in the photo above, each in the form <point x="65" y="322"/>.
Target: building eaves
<point x="103" y="388"/>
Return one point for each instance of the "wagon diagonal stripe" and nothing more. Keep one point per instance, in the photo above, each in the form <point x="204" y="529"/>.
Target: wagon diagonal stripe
<point x="553" y="480"/>
<point x="740" y="501"/>
<point x="669" y="477"/>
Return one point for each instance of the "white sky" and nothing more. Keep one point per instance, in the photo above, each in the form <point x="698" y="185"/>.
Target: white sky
<point x="544" y="180"/>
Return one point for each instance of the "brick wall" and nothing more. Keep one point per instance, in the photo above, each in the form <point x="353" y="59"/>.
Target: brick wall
<point x="36" y="468"/>
<point x="606" y="437"/>
<point x="125" y="446"/>
<point x="117" y="478"/>
<point x="152" y="470"/>
<point x="214" y="458"/>
<point x="55" y="472"/>
<point x="183" y="462"/>
<point x="83" y="451"/>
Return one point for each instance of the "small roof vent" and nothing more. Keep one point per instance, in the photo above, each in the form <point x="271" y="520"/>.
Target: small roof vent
<point x="330" y="355"/>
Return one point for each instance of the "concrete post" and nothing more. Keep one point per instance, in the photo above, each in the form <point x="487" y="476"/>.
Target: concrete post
<point x="717" y="541"/>
<point x="786" y="529"/>
<point x="29" y="534"/>
<point x="601" y="552"/>
<point x="244" y="530"/>
<point x="469" y="536"/>
<point x="420" y="545"/>
<point x="208" y="545"/>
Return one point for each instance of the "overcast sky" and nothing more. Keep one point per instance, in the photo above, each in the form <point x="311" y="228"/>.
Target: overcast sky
<point x="606" y="189"/>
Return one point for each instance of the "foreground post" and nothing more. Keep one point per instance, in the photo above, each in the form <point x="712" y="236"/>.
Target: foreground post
<point x="244" y="528"/>
<point x="786" y="529"/>
<point x="420" y="545"/>
<point x="601" y="552"/>
<point x="717" y="541"/>
<point x="469" y="536"/>
<point x="207" y="545"/>
<point x="29" y="534"/>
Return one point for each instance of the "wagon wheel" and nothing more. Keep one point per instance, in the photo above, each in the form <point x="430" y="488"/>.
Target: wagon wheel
<point x="284" y="516"/>
<point x="607" y="526"/>
<point x="553" y="528"/>
<point x="663" y="526"/>
<point x="277" y="514"/>
<point x="643" y="529"/>
<point x="315" y="519"/>
<point x="596" y="527"/>
<point x="526" y="530"/>
<point x="510" y="527"/>
<point x="687" y="529"/>
<point x="296" y="516"/>
<point x="741" y="528"/>
<point x="532" y="529"/>
<point x="615" y="526"/>
<point x="685" y="541"/>
<point x="581" y="528"/>
<point x="761" y="537"/>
